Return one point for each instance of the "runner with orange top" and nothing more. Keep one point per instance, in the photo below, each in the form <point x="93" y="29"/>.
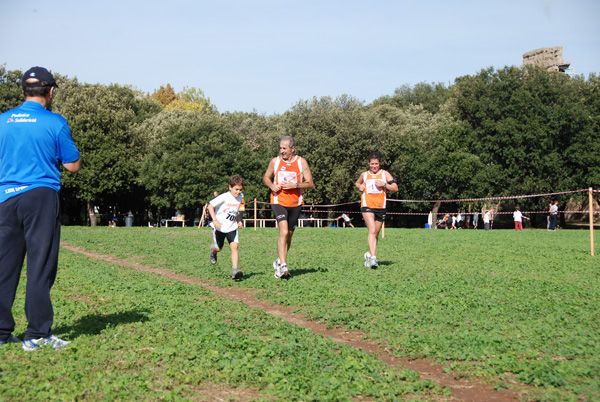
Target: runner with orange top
<point x="373" y="184"/>
<point x="287" y="175"/>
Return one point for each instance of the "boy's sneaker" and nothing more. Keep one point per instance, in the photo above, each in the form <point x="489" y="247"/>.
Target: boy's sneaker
<point x="367" y="259"/>
<point x="285" y="273"/>
<point x="212" y="257"/>
<point x="11" y="339"/>
<point x="35" y="344"/>
<point x="236" y="273"/>
<point x="277" y="267"/>
<point x="373" y="262"/>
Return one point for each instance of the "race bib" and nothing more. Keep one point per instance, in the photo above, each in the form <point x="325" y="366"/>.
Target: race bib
<point x="283" y="175"/>
<point x="371" y="188"/>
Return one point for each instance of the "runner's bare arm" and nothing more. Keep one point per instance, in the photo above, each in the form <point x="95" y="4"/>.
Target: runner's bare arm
<point x="268" y="175"/>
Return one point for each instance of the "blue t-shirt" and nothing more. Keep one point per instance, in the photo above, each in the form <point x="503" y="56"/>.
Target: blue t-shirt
<point x="34" y="142"/>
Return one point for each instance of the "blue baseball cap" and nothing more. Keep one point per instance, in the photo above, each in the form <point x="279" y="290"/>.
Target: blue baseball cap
<point x="43" y="77"/>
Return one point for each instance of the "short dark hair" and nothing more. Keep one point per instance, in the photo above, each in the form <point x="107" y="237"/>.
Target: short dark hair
<point x="374" y="155"/>
<point x="291" y="140"/>
<point x="37" y="91"/>
<point x="236" y="180"/>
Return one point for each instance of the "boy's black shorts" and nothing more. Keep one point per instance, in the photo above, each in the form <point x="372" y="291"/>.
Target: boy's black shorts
<point x="219" y="238"/>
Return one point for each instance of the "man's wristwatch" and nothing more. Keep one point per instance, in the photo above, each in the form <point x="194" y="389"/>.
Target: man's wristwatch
<point x="297" y="185"/>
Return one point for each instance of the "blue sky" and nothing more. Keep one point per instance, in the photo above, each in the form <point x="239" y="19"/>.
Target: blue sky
<point x="266" y="55"/>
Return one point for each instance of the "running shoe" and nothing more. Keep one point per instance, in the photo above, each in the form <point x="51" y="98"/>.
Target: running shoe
<point x="11" y="339"/>
<point x="285" y="273"/>
<point x="212" y="257"/>
<point x="373" y="262"/>
<point x="277" y="267"/>
<point x="367" y="259"/>
<point x="236" y="273"/>
<point x="35" y="344"/>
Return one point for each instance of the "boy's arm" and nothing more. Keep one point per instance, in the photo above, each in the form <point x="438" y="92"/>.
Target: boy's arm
<point x="213" y="215"/>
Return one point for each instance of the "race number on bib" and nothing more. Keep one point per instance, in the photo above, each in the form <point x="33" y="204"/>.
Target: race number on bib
<point x="371" y="187"/>
<point x="283" y="175"/>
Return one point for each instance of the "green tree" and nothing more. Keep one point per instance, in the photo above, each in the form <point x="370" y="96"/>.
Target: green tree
<point x="101" y="120"/>
<point x="427" y="159"/>
<point x="335" y="136"/>
<point x="430" y="96"/>
<point x="521" y="123"/>
<point x="191" y="154"/>
<point x="11" y="92"/>
<point x="189" y="98"/>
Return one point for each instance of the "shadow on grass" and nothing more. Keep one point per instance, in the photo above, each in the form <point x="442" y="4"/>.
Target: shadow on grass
<point x="93" y="324"/>
<point x="298" y="272"/>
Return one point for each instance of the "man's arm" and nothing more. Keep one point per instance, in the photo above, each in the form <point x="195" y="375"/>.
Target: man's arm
<point x="73" y="167"/>
<point x="268" y="175"/>
<point x="307" y="175"/>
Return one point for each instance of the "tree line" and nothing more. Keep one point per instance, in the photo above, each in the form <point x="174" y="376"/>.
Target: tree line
<point x="500" y="132"/>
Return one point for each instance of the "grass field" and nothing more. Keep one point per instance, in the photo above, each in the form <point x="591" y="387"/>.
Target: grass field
<point x="501" y="307"/>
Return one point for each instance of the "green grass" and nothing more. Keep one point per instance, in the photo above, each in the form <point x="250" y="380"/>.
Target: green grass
<point x="499" y="306"/>
<point x="139" y="336"/>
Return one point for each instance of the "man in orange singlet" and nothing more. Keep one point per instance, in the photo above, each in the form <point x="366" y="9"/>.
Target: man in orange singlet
<point x="286" y="176"/>
<point x="373" y="184"/>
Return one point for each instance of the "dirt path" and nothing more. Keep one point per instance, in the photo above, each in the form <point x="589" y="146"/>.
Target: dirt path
<point x="463" y="390"/>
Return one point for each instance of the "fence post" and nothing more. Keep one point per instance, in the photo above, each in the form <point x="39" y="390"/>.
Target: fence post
<point x="255" y="213"/>
<point x="591" y="221"/>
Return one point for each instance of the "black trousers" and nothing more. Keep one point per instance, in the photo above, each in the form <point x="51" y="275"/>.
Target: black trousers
<point x="29" y="224"/>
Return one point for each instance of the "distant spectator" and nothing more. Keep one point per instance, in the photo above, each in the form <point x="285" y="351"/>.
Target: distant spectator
<point x="347" y="220"/>
<point x="486" y="220"/>
<point x="113" y="220"/>
<point x="553" y="215"/>
<point x="518" y="217"/>
<point x="475" y="219"/>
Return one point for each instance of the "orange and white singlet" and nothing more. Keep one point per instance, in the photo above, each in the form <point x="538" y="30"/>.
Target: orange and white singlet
<point x="372" y="196"/>
<point x="288" y="171"/>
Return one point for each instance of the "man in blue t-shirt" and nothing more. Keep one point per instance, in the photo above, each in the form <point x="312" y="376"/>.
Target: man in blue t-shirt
<point x="34" y="142"/>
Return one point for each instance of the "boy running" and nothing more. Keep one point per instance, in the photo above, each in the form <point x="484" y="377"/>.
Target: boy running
<point x="226" y="220"/>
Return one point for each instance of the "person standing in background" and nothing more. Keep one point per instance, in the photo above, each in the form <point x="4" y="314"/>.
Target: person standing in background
<point x="553" y="215"/>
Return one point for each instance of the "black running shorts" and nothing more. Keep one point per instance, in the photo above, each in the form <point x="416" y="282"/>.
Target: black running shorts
<point x="289" y="214"/>
<point x="379" y="213"/>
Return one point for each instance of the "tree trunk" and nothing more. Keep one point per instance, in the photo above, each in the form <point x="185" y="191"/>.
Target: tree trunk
<point x="92" y="214"/>
<point x="434" y="211"/>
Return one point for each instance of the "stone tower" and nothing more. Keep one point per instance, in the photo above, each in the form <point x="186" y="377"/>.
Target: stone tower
<point x="549" y="57"/>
